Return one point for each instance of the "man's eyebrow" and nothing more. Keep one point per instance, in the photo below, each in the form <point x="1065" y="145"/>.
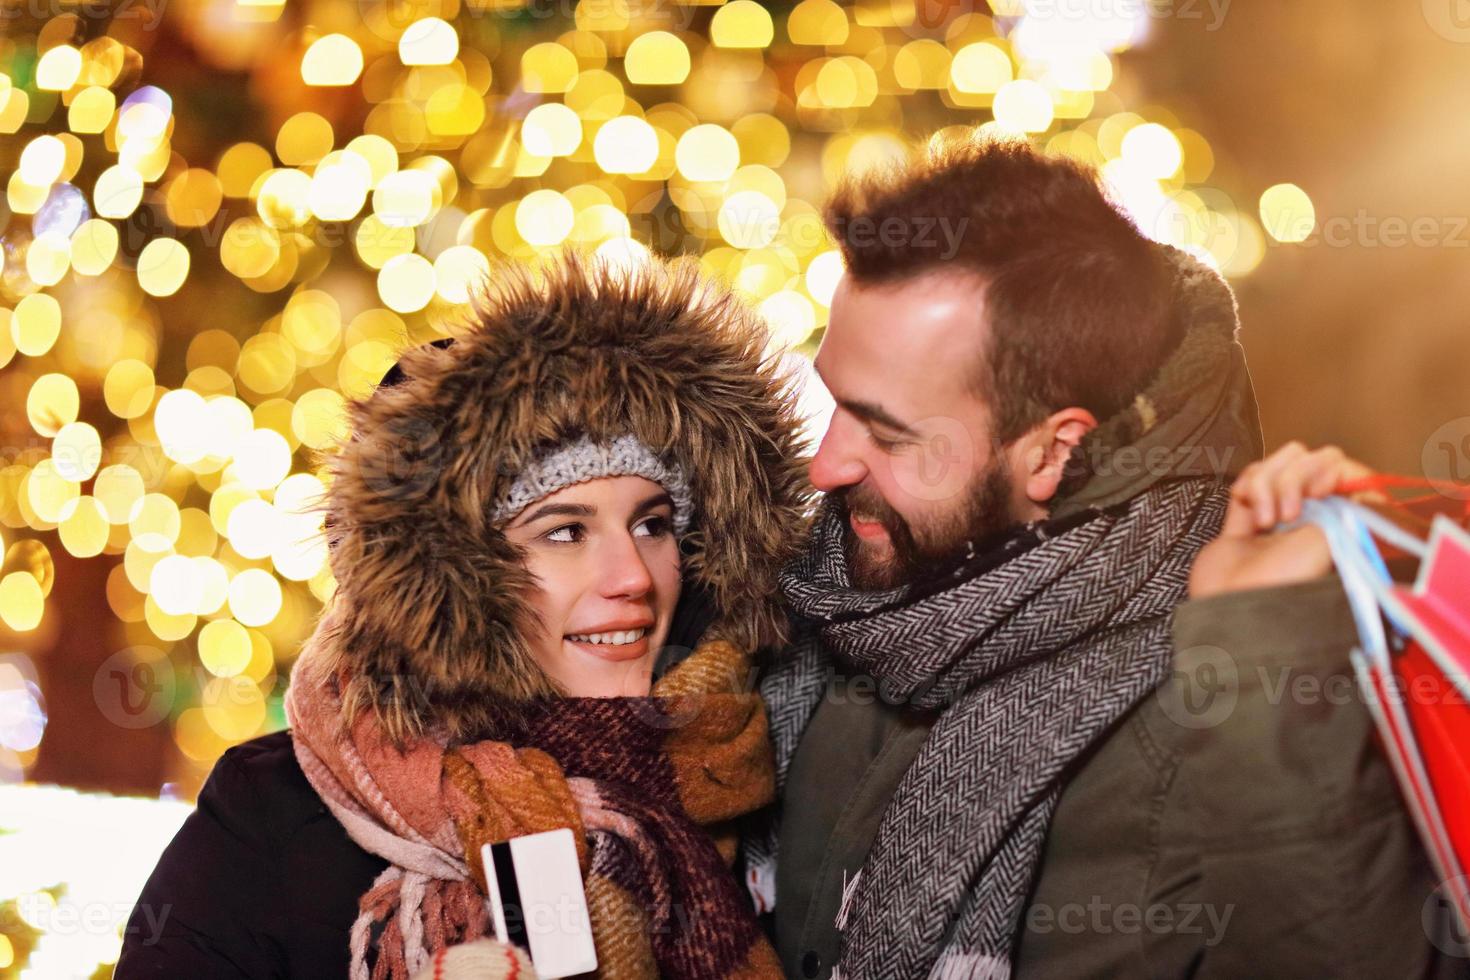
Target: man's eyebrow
<point x="871" y="412"/>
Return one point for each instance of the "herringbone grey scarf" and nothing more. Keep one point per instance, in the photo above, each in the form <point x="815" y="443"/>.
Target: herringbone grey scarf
<point x="1030" y="661"/>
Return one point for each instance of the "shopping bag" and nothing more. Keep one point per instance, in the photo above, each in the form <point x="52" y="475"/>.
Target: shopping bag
<point x="1414" y="660"/>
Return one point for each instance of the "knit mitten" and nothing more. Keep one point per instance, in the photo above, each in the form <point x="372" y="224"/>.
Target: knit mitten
<point x="482" y="959"/>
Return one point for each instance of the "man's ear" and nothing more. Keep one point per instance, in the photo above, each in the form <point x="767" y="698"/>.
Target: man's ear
<point x="1048" y="447"/>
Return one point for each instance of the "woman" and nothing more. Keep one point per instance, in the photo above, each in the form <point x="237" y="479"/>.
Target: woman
<point x="529" y="526"/>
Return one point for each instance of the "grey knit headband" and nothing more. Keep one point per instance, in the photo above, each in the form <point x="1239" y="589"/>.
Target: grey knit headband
<point x="584" y="460"/>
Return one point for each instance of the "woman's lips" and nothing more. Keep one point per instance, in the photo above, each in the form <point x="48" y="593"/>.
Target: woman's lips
<point x="614" y="651"/>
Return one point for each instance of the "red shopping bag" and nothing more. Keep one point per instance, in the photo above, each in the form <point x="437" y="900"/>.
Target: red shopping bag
<point x="1434" y="671"/>
<point x="1415" y="654"/>
<point x="1440" y="715"/>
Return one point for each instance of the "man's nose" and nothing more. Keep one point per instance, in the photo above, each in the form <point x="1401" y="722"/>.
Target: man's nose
<point x="836" y="463"/>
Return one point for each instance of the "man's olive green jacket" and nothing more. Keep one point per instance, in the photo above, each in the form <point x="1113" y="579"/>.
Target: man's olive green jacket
<point x="1240" y="822"/>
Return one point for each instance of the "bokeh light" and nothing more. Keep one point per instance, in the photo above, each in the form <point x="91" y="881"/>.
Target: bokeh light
<point x="215" y="235"/>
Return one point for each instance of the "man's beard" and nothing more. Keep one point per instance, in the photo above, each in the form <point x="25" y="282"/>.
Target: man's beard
<point x="920" y="549"/>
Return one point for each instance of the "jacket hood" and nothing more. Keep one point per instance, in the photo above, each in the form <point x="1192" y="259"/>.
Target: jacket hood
<point x="1196" y="417"/>
<point x="429" y="612"/>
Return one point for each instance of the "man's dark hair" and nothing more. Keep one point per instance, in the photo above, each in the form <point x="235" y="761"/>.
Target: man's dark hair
<point x="1078" y="300"/>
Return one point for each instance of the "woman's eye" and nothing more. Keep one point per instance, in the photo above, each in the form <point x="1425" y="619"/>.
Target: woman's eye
<point x="652" y="527"/>
<point x="566" y="534"/>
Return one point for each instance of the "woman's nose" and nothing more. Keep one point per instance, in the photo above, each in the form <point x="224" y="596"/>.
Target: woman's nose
<point x="624" y="570"/>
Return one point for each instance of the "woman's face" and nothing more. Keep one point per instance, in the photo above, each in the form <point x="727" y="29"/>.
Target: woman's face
<point x="605" y="558"/>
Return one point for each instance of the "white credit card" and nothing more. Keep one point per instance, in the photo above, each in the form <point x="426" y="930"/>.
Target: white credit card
<point x="538" y="903"/>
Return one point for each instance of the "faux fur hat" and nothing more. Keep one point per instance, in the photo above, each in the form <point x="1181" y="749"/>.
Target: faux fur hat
<point x="430" y="609"/>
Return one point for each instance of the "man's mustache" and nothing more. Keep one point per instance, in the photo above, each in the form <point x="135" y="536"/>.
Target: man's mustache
<point x="870" y="504"/>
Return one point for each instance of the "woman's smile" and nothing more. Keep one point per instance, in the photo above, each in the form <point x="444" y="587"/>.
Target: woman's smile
<point x="626" y="643"/>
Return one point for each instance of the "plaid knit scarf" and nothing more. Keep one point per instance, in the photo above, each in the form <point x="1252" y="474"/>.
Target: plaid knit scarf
<point x="642" y="783"/>
<point x="1029" y="660"/>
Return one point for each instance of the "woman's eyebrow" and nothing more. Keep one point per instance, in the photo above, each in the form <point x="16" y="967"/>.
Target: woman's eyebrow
<point x="587" y="510"/>
<point x="654" y="501"/>
<point x="560" y="510"/>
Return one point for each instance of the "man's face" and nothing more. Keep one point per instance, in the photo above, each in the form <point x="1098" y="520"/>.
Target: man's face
<point x="909" y="453"/>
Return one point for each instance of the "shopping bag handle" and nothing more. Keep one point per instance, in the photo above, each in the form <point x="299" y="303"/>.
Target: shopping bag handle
<point x="1361" y="523"/>
<point x="1380" y="483"/>
<point x="1381" y="526"/>
<point x="1357" y="577"/>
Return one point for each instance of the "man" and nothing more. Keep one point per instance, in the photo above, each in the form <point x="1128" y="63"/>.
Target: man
<point x="1006" y="742"/>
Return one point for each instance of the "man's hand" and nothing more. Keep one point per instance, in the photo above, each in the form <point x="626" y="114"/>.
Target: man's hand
<point x="1247" y="555"/>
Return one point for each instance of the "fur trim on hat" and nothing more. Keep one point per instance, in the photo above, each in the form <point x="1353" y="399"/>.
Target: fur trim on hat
<point x="430" y="614"/>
